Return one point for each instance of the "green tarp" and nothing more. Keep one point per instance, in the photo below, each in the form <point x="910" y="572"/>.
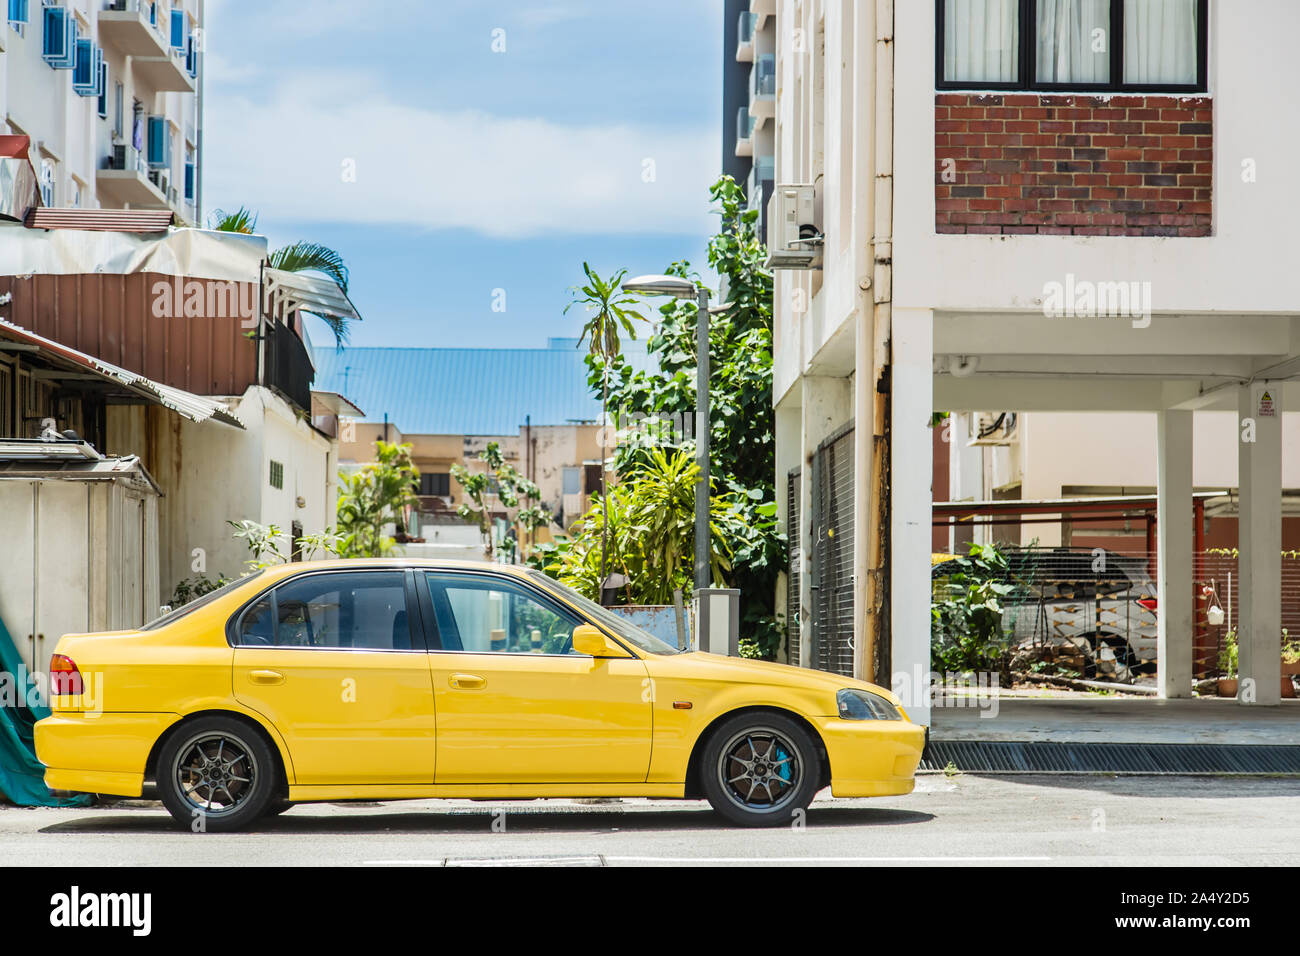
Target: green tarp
<point x="21" y="774"/>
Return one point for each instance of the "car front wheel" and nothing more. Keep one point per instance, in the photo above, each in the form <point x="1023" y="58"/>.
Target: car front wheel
<point x="216" y="774"/>
<point x="760" y="769"/>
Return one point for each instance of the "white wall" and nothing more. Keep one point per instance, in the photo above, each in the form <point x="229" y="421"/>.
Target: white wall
<point x="211" y="473"/>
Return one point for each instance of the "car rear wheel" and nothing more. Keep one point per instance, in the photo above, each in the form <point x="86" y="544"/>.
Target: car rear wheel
<point x="760" y="769"/>
<point x="216" y="774"/>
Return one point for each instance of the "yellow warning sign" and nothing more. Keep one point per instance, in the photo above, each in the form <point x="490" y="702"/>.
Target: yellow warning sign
<point x="1266" y="407"/>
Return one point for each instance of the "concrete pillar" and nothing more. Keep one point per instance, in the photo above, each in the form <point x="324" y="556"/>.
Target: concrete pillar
<point x="827" y="405"/>
<point x="1174" y="551"/>
<point x="911" y="453"/>
<point x="1259" y="543"/>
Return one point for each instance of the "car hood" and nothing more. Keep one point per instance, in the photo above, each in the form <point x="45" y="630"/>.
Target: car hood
<point x="745" y="671"/>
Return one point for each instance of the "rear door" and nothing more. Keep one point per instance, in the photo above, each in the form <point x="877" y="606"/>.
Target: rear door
<point x="336" y="661"/>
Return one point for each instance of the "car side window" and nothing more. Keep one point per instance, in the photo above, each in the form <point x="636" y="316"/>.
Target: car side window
<point x="485" y="614"/>
<point x="340" y="610"/>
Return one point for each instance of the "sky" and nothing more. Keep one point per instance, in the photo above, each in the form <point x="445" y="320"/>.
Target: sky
<point x="467" y="156"/>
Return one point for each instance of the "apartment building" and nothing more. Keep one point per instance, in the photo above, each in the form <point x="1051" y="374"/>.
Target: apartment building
<point x="749" y="97"/>
<point x="1065" y="209"/>
<point x="110" y="94"/>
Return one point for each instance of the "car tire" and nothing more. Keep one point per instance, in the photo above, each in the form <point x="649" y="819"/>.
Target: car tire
<point x="759" y="769"/>
<point x="277" y="807"/>
<point x="217" y="774"/>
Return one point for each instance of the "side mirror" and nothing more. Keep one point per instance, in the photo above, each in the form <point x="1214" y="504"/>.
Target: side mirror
<point x="589" y="639"/>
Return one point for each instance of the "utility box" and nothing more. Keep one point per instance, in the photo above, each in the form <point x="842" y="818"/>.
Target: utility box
<point x="81" y="539"/>
<point x="717" y="621"/>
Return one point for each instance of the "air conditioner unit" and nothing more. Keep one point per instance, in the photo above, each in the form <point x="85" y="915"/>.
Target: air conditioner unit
<point x="992" y="428"/>
<point x="794" y="236"/>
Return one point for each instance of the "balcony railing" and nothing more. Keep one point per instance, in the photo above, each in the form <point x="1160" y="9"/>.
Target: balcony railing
<point x="765" y="75"/>
<point x="744" y="124"/>
<point x="289" y="368"/>
<point x="745" y="31"/>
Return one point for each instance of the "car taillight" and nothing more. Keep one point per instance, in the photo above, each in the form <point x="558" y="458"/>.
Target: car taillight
<point x="1147" y="602"/>
<point x="65" y="678"/>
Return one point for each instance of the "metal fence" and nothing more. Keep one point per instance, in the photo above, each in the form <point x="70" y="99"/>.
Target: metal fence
<point x="1103" y="605"/>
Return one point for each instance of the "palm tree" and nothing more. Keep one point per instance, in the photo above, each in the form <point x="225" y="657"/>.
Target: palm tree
<point x="610" y="309"/>
<point x="298" y="257"/>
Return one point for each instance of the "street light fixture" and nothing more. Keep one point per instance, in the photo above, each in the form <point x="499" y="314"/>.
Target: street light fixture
<point x="680" y="288"/>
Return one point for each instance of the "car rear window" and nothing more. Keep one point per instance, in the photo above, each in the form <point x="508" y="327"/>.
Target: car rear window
<point x="186" y="609"/>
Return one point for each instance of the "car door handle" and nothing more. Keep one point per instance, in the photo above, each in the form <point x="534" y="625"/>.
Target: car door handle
<point x="467" y="681"/>
<point x="266" y="677"/>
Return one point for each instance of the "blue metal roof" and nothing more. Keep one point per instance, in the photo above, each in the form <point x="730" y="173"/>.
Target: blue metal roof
<point x="463" y="391"/>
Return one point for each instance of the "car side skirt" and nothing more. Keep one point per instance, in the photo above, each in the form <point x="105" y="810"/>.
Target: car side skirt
<point x="501" y="791"/>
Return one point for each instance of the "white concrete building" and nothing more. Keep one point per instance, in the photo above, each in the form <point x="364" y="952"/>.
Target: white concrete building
<point x="1061" y="216"/>
<point x="110" y="94"/>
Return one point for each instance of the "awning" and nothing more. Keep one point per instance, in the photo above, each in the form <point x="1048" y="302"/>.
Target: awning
<point x="186" y="404"/>
<point x="308" y="293"/>
<point x="335" y="404"/>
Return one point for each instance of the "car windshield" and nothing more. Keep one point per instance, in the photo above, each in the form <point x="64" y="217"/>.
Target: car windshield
<point x="197" y="603"/>
<point x="620" y="625"/>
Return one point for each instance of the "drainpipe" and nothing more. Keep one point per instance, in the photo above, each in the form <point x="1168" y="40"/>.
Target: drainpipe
<point x="261" y="322"/>
<point x="872" y="361"/>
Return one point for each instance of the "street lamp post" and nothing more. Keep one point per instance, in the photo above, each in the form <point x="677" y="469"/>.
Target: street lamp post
<point x="684" y="289"/>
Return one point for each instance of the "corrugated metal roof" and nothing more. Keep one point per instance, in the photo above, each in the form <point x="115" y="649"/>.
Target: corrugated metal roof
<point x="194" y="407"/>
<point x="101" y="220"/>
<point x="464" y="391"/>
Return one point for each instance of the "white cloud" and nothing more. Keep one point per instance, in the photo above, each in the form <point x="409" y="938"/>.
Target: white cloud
<point x="509" y="177"/>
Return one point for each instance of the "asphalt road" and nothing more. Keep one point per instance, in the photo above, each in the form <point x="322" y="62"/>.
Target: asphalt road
<point x="966" y="820"/>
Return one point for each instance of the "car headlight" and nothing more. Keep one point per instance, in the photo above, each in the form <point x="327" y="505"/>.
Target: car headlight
<point x="864" y="705"/>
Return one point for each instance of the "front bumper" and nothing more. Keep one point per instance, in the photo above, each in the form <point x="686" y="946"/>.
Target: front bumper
<point x="872" y="758"/>
<point x="98" y="753"/>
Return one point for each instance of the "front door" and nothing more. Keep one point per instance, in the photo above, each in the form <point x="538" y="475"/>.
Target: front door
<point x="515" y="704"/>
<point x="332" y="660"/>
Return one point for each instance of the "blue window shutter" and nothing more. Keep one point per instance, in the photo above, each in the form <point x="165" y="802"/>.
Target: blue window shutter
<point x="17" y="11"/>
<point x="159" y="153"/>
<point x="59" y="44"/>
<point x="178" y="29"/>
<point x="101" y="90"/>
<point x="82" y="78"/>
<point x="189" y="181"/>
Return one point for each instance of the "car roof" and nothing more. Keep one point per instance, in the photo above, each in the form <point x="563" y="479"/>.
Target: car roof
<point x="432" y="564"/>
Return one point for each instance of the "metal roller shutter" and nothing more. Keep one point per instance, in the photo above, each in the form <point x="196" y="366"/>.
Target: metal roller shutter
<point x="833" y="554"/>
<point x="793" y="538"/>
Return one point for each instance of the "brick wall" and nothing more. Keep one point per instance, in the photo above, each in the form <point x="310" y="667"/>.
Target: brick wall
<point x="1025" y="164"/>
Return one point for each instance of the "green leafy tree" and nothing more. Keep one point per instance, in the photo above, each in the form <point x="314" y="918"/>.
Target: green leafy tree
<point x="611" y="311"/>
<point x="500" y="480"/>
<point x="742" y="451"/>
<point x="651" y="539"/>
<point x="300" y="256"/>
<point x="373" y="497"/>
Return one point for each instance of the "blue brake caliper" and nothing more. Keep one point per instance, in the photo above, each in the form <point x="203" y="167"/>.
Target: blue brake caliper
<point x="784" y="772"/>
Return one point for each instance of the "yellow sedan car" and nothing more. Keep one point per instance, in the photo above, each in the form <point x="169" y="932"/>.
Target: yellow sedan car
<point x="383" y="680"/>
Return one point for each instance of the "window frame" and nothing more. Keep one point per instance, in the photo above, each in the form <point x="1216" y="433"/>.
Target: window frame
<point x="1027" y="59"/>
<point x="414" y="619"/>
